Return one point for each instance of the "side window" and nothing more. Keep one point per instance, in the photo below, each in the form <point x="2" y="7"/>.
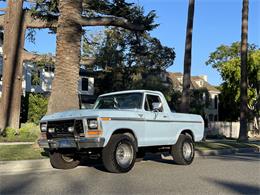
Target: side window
<point x="149" y="100"/>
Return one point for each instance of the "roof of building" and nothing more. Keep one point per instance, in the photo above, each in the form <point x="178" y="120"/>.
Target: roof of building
<point x="194" y="79"/>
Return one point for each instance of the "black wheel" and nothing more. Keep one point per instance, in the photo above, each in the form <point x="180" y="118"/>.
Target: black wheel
<point x="119" y="154"/>
<point x="63" y="161"/>
<point x="183" y="150"/>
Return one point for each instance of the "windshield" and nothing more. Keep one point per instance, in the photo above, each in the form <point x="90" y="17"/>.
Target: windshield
<point x="120" y="101"/>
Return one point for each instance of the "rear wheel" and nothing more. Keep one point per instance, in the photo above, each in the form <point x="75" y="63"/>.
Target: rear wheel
<point x="63" y="161"/>
<point x="183" y="150"/>
<point x="119" y="154"/>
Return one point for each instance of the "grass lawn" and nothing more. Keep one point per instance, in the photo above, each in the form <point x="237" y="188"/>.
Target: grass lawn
<point x="20" y="152"/>
<point x="18" y="138"/>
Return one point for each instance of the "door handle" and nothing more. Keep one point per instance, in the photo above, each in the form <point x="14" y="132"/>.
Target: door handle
<point x="165" y="116"/>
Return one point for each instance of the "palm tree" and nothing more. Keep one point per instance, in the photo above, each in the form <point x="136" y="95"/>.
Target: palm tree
<point x="65" y="84"/>
<point x="243" y="69"/>
<point x="12" y="69"/>
<point x="64" y="94"/>
<point x="185" y="99"/>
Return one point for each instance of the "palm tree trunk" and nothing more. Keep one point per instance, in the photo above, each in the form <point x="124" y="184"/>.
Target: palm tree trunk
<point x="243" y="81"/>
<point x="12" y="70"/>
<point x="185" y="99"/>
<point x="64" y="94"/>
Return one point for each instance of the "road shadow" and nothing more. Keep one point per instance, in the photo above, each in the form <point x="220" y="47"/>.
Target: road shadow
<point x="17" y="187"/>
<point x="238" y="188"/>
<point x="98" y="164"/>
<point x="94" y="163"/>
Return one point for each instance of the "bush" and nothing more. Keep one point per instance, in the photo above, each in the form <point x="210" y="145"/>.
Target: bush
<point x="37" y="107"/>
<point x="10" y="133"/>
<point x="28" y="132"/>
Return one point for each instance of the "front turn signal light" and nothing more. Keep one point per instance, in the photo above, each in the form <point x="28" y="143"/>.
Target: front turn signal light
<point x="94" y="133"/>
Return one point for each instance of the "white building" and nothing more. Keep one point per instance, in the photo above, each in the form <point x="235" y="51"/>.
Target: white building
<point x="39" y="80"/>
<point x="200" y="82"/>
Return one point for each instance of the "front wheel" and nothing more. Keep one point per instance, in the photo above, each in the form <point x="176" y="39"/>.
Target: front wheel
<point x="119" y="154"/>
<point x="183" y="151"/>
<point x="63" y="161"/>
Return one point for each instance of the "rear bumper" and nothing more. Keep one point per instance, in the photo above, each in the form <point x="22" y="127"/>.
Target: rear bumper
<point x="72" y="143"/>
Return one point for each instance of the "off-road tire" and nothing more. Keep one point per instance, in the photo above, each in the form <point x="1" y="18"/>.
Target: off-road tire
<point x="109" y="153"/>
<point x="177" y="150"/>
<point x="57" y="161"/>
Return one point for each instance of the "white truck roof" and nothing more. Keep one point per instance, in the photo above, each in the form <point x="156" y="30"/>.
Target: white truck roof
<point x="132" y="91"/>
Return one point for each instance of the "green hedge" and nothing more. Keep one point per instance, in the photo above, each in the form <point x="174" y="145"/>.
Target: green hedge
<point x="27" y="133"/>
<point x="37" y="107"/>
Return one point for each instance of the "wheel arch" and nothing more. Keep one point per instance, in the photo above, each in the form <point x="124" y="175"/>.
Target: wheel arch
<point x="188" y="132"/>
<point x="126" y="131"/>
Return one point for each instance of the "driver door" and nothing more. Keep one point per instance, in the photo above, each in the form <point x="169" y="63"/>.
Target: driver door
<point x="157" y="123"/>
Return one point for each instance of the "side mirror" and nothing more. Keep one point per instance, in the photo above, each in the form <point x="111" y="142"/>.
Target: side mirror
<point x="157" y="106"/>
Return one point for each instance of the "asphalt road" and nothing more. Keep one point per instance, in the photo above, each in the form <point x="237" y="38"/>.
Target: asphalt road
<point x="232" y="174"/>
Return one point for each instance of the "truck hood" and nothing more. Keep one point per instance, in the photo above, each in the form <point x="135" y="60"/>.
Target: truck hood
<point x="73" y="114"/>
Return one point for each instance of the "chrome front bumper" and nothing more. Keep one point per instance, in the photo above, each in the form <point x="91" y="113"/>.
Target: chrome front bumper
<point x="72" y="143"/>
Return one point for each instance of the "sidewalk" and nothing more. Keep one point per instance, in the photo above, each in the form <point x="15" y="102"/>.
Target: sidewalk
<point x="24" y="166"/>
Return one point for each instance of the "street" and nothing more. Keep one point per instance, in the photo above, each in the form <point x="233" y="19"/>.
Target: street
<point x="229" y="174"/>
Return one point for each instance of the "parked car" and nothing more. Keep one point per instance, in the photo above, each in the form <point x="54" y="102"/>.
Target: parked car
<point x="121" y="127"/>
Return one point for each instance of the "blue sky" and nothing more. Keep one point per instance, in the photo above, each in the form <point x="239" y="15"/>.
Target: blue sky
<point x="216" y="22"/>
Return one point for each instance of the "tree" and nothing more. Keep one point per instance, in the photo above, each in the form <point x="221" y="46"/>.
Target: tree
<point x="243" y="83"/>
<point x="185" y="99"/>
<point x="14" y="23"/>
<point x="226" y="59"/>
<point x="72" y="16"/>
<point x="12" y="77"/>
<point x="65" y="84"/>
<point x="129" y="60"/>
<point x="44" y="14"/>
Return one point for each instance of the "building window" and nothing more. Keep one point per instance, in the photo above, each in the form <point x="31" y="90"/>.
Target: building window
<point x="216" y="102"/>
<point x="84" y="84"/>
<point x="49" y="68"/>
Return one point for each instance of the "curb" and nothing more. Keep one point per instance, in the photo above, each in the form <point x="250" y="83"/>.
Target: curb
<point x="201" y="153"/>
<point x="23" y="166"/>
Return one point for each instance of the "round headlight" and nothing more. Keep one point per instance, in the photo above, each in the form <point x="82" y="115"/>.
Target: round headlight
<point x="43" y="127"/>
<point x="92" y="124"/>
<point x="70" y="129"/>
<point x="51" y="130"/>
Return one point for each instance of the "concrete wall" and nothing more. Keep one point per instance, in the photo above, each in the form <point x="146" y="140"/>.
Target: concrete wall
<point x="228" y="129"/>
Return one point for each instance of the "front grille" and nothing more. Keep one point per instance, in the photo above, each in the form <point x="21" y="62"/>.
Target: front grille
<point x="61" y="128"/>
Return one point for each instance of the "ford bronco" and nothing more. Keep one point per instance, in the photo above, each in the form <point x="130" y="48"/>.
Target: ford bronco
<point x="121" y="128"/>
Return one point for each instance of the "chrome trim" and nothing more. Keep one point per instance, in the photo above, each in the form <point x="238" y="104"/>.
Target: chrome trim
<point x="72" y="143"/>
<point x="141" y="119"/>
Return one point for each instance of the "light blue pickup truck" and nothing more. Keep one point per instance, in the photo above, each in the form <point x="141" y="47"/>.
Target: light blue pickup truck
<point x="120" y="129"/>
